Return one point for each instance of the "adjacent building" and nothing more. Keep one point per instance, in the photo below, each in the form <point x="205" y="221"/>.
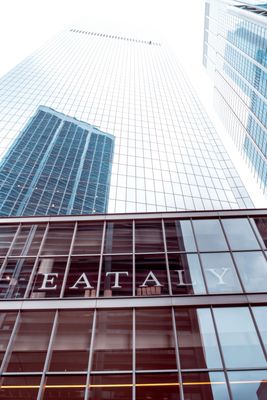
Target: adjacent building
<point x="167" y="155"/>
<point x="235" y="41"/>
<point x="56" y="165"/>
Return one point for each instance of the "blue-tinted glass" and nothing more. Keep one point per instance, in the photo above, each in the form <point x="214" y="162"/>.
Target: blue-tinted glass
<point x="239" y="234"/>
<point x="252" y="267"/>
<point x="248" y="385"/>
<point x="240" y="344"/>
<point x="209" y="235"/>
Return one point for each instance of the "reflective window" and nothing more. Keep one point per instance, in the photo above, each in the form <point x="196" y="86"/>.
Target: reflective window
<point x="14" y="280"/>
<point x="238" y="337"/>
<point x="179" y="236"/>
<point x="150" y="275"/>
<point x="116" y="276"/>
<point x="154" y="339"/>
<point x="186" y="275"/>
<point x="19" y="387"/>
<point x="248" y="385"/>
<point x="64" y="387"/>
<point x="157" y="386"/>
<point x="70" y="350"/>
<point x="7" y="320"/>
<point x="205" y="386"/>
<point x="112" y="348"/>
<point x="209" y="235"/>
<point x="240" y="234"/>
<point x="260" y="314"/>
<point x="82" y="277"/>
<point x="7" y="233"/>
<point x="88" y="238"/>
<point x="105" y="387"/>
<point x="58" y="239"/>
<point x="252" y="267"/>
<point x="30" y="343"/>
<point x="119" y="237"/>
<point x="48" y="277"/>
<point x="198" y="347"/>
<point x="148" y="237"/>
<point x="220" y="273"/>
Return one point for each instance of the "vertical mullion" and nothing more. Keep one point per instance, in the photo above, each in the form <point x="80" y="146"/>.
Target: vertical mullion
<point x="199" y="258"/>
<point x="177" y="354"/>
<point x="101" y="259"/>
<point x="68" y="261"/>
<point x="90" y="358"/>
<point x="48" y="356"/>
<point x="134" y="357"/>
<point x="221" y="352"/>
<point x="166" y="257"/>
<point x="36" y="262"/>
<point x="133" y="253"/>
<point x="9" y="250"/>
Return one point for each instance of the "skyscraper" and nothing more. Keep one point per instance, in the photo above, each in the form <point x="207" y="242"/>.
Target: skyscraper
<point x="56" y="165"/>
<point x="235" y="55"/>
<point x="167" y="155"/>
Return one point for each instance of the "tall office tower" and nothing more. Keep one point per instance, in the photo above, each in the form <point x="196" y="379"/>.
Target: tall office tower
<point x="234" y="53"/>
<point x="167" y="155"/>
<point x="56" y="165"/>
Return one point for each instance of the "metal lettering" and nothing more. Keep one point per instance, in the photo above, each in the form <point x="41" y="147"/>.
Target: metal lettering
<point x="83" y="280"/>
<point x="48" y="278"/>
<point x="180" y="273"/>
<point x="220" y="277"/>
<point x="117" y="276"/>
<point x="151" y="278"/>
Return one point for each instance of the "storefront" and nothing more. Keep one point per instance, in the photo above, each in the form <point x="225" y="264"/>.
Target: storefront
<point x="167" y="306"/>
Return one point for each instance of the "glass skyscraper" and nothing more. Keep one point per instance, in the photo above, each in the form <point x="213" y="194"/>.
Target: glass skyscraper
<point x="235" y="43"/>
<point x="56" y="165"/>
<point x="167" y="155"/>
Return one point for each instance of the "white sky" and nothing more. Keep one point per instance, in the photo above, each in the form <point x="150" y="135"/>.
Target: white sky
<point x="26" y="24"/>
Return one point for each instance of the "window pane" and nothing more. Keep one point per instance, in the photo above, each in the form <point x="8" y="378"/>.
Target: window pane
<point x="179" y="236"/>
<point x="198" y="347"/>
<point x="186" y="275"/>
<point x="209" y="235"/>
<point x="240" y="234"/>
<point x="7" y="320"/>
<point x="113" y="341"/>
<point x="220" y="273"/>
<point x="148" y="237"/>
<point x="7" y="233"/>
<point x="64" y="387"/>
<point x="70" y="349"/>
<point x="150" y="275"/>
<point x="58" y="239"/>
<point x="157" y="386"/>
<point x="82" y="277"/>
<point x="19" y="387"/>
<point x="88" y="238"/>
<point x="15" y="278"/>
<point x="48" y="277"/>
<point x="239" y="341"/>
<point x="30" y="343"/>
<point x="154" y="339"/>
<point x="119" y="237"/>
<point x="116" y="276"/>
<point x="248" y="385"/>
<point x="212" y="386"/>
<point x="109" y="387"/>
<point x="252" y="267"/>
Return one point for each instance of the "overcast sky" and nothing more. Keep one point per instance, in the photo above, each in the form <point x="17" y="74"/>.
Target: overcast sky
<point x="26" y="24"/>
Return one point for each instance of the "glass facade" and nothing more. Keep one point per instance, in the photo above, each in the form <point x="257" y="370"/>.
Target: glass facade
<point x="235" y="54"/>
<point x="57" y="165"/>
<point x="161" y="306"/>
<point x="167" y="155"/>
